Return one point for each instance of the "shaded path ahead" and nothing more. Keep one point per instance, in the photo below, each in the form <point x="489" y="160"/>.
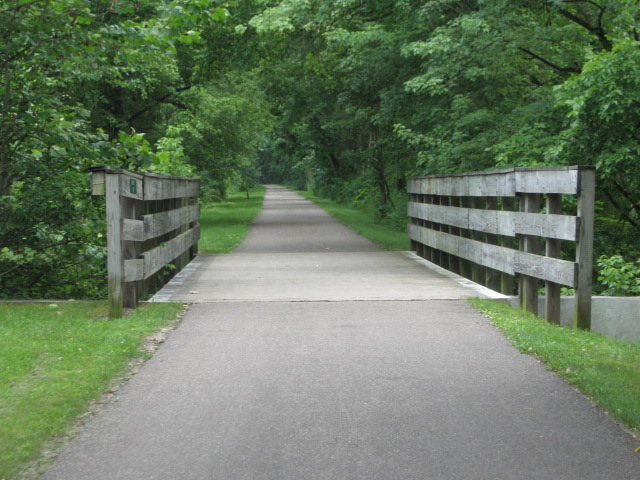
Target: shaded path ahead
<point x="295" y="251"/>
<point x="311" y="354"/>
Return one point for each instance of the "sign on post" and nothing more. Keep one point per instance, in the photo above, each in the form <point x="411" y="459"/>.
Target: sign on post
<point x="152" y="221"/>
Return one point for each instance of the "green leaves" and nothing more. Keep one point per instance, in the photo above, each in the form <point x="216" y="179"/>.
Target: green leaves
<point x="75" y="77"/>
<point x="352" y="96"/>
<point x="619" y="276"/>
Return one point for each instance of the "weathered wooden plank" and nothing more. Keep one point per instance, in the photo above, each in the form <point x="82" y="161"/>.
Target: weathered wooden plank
<point x="159" y="188"/>
<point x="492" y="279"/>
<point x="131" y="184"/>
<point x="452" y="186"/>
<point x="161" y="223"/>
<point x="158" y="257"/>
<point x="157" y="224"/>
<point x="415" y="233"/>
<point x="134" y="270"/>
<point x="507" y="281"/>
<point x="429" y="253"/>
<point x="133" y="230"/>
<point x="584" y="250"/>
<point x="98" y="183"/>
<point x="528" y="291"/>
<point x="497" y="258"/>
<point x="544" y="268"/>
<point x="495" y="184"/>
<point x="454" y="216"/>
<point x="454" y="260"/>
<point x="500" y="183"/>
<point x="442" y="257"/>
<point x="553" y="250"/>
<point x="557" y="180"/>
<point x="115" y="261"/>
<point x="528" y="224"/>
<point x="479" y="272"/>
<point x="494" y="256"/>
<point x="491" y="184"/>
<point x="130" y="208"/>
<point x="563" y="227"/>
<point x="413" y="186"/>
<point x="486" y="221"/>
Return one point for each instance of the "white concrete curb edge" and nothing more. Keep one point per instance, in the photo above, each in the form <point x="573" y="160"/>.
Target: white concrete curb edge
<point x="164" y="294"/>
<point x="465" y="282"/>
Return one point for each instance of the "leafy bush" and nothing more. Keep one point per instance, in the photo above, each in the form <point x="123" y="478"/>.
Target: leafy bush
<point x="621" y="278"/>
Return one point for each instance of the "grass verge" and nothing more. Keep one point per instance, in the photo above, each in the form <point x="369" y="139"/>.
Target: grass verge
<point x="605" y="370"/>
<point x="362" y="223"/>
<point x="224" y="225"/>
<point x="55" y="360"/>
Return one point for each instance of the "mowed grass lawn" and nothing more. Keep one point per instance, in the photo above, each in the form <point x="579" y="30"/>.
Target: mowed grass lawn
<point x="55" y="359"/>
<point x="224" y="225"/>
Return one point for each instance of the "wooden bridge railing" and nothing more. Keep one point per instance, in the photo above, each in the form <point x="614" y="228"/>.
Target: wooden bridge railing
<point x="488" y="227"/>
<point x="152" y="231"/>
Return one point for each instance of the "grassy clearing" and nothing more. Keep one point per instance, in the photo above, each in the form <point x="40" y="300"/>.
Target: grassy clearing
<point x="224" y="225"/>
<point x="606" y="370"/>
<point x="55" y="359"/>
<point x="362" y="223"/>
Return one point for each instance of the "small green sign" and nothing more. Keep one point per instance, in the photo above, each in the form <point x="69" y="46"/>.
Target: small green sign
<point x="133" y="186"/>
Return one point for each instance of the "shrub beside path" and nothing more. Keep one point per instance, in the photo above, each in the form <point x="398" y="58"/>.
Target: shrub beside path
<point x="309" y="353"/>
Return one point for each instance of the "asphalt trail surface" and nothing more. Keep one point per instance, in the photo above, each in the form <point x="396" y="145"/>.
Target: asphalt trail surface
<point x="322" y="357"/>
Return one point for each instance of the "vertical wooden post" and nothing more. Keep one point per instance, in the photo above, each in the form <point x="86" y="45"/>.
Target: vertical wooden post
<point x="115" y="259"/>
<point x="493" y="277"/>
<point x="466" y="266"/>
<point x="445" y="258"/>
<point x="454" y="260"/>
<point x="130" y="250"/>
<point x="414" y="244"/>
<point x="584" y="247"/>
<point x="429" y="252"/>
<point x="478" y="272"/>
<point x="186" y="258"/>
<point x="146" y="286"/>
<point x="420" y="250"/>
<point x="433" y="251"/>
<point x="530" y="202"/>
<point x="553" y="249"/>
<point x="507" y="281"/>
<point x="193" y="251"/>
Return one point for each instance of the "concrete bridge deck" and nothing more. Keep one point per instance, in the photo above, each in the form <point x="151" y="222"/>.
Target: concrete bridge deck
<point x="312" y="354"/>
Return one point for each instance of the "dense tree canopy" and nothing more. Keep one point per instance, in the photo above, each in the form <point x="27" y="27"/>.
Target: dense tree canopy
<point x="349" y="96"/>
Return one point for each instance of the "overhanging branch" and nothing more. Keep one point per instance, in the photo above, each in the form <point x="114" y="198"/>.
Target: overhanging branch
<point x="549" y="63"/>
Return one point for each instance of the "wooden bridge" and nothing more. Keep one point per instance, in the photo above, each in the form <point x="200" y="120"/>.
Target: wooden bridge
<point x="310" y="353"/>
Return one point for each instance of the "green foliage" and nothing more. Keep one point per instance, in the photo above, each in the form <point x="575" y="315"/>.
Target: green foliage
<point x="51" y="234"/>
<point x="102" y="83"/>
<point x="349" y="97"/>
<point x="603" y="118"/>
<point x="54" y="360"/>
<point x="619" y="277"/>
<point x="223" y="128"/>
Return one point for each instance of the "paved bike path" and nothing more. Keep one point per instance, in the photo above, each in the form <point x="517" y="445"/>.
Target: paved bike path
<point x="304" y="356"/>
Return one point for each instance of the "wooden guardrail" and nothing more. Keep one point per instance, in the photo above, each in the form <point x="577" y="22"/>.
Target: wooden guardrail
<point x="488" y="227"/>
<point x="152" y="231"/>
